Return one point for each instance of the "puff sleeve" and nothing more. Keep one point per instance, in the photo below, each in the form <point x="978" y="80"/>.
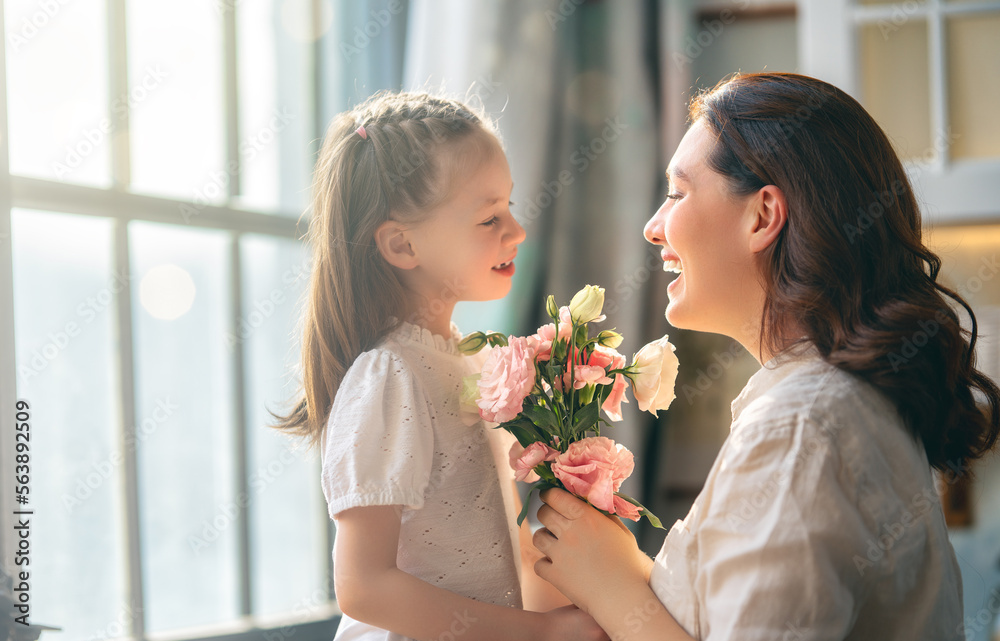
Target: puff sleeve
<point x="379" y="442"/>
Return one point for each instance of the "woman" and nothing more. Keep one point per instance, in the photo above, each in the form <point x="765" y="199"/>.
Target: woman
<point x="795" y="231"/>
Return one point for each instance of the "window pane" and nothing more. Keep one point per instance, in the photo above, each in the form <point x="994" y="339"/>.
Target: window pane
<point x="974" y="89"/>
<point x="188" y="505"/>
<point x="287" y="508"/>
<point x="64" y="320"/>
<point x="968" y="255"/>
<point x="275" y="104"/>
<point x="896" y="84"/>
<point x="57" y="87"/>
<point x="177" y="130"/>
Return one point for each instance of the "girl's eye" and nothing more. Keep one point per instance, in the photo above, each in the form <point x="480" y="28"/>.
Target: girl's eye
<point x="490" y="222"/>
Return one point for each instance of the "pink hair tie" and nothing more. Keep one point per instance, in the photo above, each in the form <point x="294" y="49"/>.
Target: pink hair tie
<point x="361" y="132"/>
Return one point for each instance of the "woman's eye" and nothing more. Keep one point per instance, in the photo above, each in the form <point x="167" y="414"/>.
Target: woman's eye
<point x="674" y="196"/>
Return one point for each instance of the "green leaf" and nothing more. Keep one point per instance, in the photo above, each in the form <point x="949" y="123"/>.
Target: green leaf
<point x="541" y="486"/>
<point x="542" y="418"/>
<point x="586" y="417"/>
<point x="524" y="436"/>
<point x="524" y="508"/>
<point x="653" y="519"/>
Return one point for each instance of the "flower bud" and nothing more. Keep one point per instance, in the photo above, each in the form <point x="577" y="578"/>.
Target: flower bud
<point x="472" y="343"/>
<point x="609" y="338"/>
<point x="587" y="304"/>
<point x="551" y="308"/>
<point x="470" y="393"/>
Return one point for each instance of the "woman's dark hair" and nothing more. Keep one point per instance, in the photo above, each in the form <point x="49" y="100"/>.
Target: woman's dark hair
<point x="850" y="266"/>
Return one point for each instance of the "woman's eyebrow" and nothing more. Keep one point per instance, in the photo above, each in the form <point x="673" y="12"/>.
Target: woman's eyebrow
<point x="676" y="173"/>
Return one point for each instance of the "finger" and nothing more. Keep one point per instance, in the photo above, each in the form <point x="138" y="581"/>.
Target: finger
<point x="621" y="524"/>
<point x="564" y="503"/>
<point x="543" y="540"/>
<point x="554" y="521"/>
<point x="543" y="568"/>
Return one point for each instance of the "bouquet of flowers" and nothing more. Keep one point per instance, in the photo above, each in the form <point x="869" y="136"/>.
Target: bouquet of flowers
<point x="548" y="390"/>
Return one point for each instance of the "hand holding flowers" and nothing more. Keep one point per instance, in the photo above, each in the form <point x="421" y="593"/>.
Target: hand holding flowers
<point x="548" y="390"/>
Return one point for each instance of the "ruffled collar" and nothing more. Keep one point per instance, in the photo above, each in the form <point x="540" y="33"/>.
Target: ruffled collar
<point x="415" y="334"/>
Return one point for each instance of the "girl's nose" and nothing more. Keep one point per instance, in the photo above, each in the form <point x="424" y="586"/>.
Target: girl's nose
<point x="653" y="231"/>
<point x="516" y="235"/>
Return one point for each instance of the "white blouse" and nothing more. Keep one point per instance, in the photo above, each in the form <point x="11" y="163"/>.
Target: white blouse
<point x="819" y="520"/>
<point x="397" y="436"/>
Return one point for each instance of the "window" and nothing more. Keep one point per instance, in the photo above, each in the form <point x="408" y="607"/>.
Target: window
<point x="926" y="70"/>
<point x="155" y="159"/>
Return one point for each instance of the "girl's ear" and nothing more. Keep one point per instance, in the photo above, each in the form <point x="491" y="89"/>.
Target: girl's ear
<point x="769" y="215"/>
<point x="394" y="245"/>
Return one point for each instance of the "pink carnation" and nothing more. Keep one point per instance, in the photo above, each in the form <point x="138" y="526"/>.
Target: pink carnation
<point x="594" y="468"/>
<point x="524" y="460"/>
<point x="508" y="376"/>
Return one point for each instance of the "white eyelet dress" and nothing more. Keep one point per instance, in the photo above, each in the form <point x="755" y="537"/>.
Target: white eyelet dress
<point x="397" y="436"/>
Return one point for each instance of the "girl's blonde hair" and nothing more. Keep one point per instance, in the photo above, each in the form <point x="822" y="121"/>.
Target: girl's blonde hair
<point x="390" y="169"/>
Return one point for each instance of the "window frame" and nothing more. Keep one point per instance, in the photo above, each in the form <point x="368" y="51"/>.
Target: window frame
<point x="950" y="191"/>
<point x="122" y="206"/>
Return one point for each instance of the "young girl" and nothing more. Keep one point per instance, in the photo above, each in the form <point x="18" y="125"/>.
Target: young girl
<point x="794" y="229"/>
<point x="411" y="215"/>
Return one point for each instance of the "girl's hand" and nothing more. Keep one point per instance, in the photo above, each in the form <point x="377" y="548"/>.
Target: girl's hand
<point x="573" y="624"/>
<point x="588" y="556"/>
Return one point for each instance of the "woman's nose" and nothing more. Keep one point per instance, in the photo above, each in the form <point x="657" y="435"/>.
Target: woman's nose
<point x="653" y="231"/>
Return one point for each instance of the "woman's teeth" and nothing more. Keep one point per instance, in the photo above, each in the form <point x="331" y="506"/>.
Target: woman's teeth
<point x="672" y="266"/>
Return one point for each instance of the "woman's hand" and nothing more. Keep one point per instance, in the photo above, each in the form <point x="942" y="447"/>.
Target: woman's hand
<point x="588" y="555"/>
<point x="595" y="561"/>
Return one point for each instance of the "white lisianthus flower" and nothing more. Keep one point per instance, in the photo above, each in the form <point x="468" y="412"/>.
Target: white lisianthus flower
<point x="655" y="369"/>
<point x="587" y="304"/>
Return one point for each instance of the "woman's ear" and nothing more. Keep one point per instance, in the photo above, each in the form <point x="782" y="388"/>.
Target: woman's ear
<point x="770" y="214"/>
<point x="393" y="243"/>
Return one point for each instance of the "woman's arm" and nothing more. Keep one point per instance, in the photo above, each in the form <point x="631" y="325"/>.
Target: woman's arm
<point x="370" y="588"/>
<point x="594" y="560"/>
